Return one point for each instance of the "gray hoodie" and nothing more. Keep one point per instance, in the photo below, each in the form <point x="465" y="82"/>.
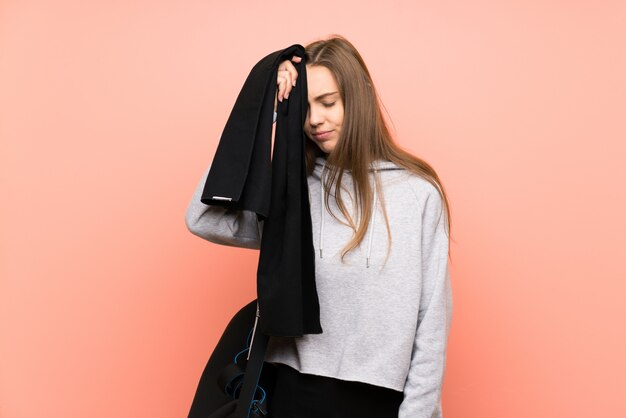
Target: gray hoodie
<point x="385" y="324"/>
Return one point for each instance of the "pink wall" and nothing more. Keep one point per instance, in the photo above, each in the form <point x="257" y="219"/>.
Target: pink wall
<point x="110" y="111"/>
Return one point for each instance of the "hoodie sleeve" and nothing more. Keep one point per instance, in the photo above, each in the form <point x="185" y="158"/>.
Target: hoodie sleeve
<point x="220" y="225"/>
<point x="235" y="228"/>
<point x="422" y="390"/>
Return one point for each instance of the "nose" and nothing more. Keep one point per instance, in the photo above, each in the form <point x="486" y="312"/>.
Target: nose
<point x="316" y="116"/>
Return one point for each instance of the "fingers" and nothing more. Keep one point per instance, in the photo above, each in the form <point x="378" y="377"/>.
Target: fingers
<point x="284" y="85"/>
<point x="287" y="76"/>
<point x="286" y="80"/>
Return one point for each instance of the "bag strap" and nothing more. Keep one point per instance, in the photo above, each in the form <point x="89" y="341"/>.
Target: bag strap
<point x="246" y="404"/>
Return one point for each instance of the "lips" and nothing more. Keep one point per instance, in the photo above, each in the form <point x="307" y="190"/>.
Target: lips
<point x="322" y="135"/>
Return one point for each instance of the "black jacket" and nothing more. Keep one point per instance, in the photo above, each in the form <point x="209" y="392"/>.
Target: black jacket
<point x="244" y="176"/>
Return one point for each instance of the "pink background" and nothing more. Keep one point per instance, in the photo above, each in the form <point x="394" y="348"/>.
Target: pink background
<point x="111" y="110"/>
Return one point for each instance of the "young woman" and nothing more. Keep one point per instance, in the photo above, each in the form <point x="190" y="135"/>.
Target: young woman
<point x="380" y="221"/>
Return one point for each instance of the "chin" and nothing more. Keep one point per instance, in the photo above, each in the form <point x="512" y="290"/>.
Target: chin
<point x="326" y="148"/>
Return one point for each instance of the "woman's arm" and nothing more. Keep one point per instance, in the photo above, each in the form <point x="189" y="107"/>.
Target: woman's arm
<point x="236" y="228"/>
<point x="220" y="225"/>
<point x="422" y="391"/>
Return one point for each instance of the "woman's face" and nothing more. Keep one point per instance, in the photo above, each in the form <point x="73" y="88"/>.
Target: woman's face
<point x="325" y="114"/>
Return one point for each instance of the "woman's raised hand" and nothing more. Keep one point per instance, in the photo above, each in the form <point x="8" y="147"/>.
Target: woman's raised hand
<point x="286" y="80"/>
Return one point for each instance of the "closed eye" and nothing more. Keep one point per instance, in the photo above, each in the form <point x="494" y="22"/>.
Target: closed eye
<point x="328" y="104"/>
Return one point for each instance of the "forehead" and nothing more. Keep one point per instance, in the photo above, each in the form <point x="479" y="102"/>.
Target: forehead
<point x="320" y="81"/>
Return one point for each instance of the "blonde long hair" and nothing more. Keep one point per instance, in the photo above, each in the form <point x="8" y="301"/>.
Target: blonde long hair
<point x="364" y="137"/>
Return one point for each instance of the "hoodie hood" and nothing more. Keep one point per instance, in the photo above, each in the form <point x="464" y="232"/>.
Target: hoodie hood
<point x="319" y="172"/>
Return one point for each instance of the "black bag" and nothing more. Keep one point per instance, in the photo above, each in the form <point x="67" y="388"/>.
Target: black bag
<point x="231" y="385"/>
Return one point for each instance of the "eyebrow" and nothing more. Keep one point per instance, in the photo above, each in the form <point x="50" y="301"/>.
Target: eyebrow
<point x="321" y="96"/>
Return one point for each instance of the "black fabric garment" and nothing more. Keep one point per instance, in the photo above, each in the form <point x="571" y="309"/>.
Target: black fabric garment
<point x="301" y="395"/>
<point x="244" y="176"/>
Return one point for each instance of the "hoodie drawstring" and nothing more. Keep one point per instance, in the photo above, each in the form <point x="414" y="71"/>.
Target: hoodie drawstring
<point x="369" y="245"/>
<point x="322" y="210"/>
<point x="321" y="245"/>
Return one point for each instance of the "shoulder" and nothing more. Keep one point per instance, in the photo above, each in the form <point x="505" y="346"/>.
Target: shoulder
<point x="426" y="194"/>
